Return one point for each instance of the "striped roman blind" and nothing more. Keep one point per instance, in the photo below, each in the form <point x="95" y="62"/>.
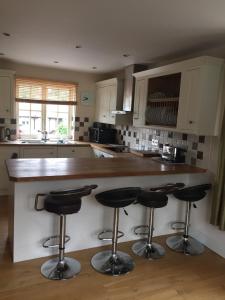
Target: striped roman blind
<point x="45" y="92"/>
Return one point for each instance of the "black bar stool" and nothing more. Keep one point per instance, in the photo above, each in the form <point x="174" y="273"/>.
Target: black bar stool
<point x="146" y="248"/>
<point x="62" y="203"/>
<point x="185" y="243"/>
<point x="113" y="262"/>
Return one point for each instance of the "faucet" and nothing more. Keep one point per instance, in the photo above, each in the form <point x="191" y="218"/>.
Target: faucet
<point x="44" y="135"/>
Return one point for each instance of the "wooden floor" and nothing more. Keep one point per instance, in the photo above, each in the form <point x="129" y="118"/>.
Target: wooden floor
<point x="175" y="277"/>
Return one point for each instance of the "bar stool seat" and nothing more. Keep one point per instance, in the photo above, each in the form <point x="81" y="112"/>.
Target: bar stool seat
<point x="146" y="248"/>
<point x="185" y="243"/>
<point x="62" y="203"/>
<point x="113" y="262"/>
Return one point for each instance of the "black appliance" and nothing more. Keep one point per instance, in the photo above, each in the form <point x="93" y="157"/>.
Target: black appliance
<point x="173" y="154"/>
<point x="102" y="134"/>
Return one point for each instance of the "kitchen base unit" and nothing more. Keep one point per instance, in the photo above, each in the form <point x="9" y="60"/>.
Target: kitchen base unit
<point x="29" y="228"/>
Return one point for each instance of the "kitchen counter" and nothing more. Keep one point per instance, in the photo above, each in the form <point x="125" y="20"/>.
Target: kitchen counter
<point x="32" y="176"/>
<point x="24" y="170"/>
<point x="48" y="143"/>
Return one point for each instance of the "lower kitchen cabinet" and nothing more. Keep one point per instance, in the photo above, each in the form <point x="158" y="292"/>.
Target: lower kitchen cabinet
<point x="79" y="151"/>
<point x="38" y="152"/>
<point x="6" y="153"/>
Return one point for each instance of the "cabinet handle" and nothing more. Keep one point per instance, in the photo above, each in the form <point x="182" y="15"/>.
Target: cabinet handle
<point x="7" y="110"/>
<point x="73" y="150"/>
<point x="191" y="122"/>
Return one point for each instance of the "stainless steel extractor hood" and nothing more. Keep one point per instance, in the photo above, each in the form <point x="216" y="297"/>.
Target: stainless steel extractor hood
<point x="129" y="86"/>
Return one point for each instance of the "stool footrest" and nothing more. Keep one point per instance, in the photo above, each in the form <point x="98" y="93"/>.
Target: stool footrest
<point x="141" y="230"/>
<point x="106" y="235"/>
<point x="53" y="241"/>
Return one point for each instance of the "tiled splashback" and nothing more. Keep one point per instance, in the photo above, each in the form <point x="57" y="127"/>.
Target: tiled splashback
<point x="11" y="124"/>
<point x="198" y="147"/>
<point x="81" y="128"/>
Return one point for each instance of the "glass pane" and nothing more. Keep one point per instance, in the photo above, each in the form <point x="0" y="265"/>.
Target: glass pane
<point x="25" y="106"/>
<point x="35" y="125"/>
<point x="36" y="106"/>
<point x="63" y="108"/>
<point x="24" y="113"/>
<point x="57" y="122"/>
<point x="24" y="125"/>
<point x="51" y="108"/>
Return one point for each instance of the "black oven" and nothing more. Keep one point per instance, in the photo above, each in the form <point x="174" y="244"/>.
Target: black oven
<point x="102" y="135"/>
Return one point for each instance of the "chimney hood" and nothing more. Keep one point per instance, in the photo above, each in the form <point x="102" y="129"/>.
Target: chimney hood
<point x="129" y="86"/>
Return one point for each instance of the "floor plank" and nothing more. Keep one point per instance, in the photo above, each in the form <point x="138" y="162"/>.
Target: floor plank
<point x="175" y="277"/>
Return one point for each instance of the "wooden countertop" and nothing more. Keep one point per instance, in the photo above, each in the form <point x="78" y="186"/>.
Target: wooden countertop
<point x="25" y="170"/>
<point x="53" y="144"/>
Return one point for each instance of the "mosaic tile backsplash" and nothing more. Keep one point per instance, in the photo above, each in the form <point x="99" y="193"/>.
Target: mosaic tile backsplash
<point x="11" y="124"/>
<point x="81" y="128"/>
<point x="198" y="147"/>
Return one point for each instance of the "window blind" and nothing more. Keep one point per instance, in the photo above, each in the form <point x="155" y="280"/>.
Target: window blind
<point x="45" y="92"/>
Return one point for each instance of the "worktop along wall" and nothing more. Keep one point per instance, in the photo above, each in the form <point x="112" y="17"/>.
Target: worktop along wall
<point x="202" y="152"/>
<point x="198" y="147"/>
<point x="86" y="81"/>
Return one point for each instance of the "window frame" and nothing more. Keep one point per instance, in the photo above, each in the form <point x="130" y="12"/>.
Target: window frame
<point x="71" y="106"/>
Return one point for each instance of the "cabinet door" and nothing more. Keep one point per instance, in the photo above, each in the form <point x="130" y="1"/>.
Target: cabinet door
<point x="140" y="100"/>
<point x="39" y="152"/>
<point x="102" y="104"/>
<point x="5" y="153"/>
<point x="112" y="90"/>
<point x="73" y="152"/>
<point x="5" y="96"/>
<point x="190" y="97"/>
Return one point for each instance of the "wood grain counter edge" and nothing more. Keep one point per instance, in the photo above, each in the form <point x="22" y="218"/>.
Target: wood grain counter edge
<point x="24" y="170"/>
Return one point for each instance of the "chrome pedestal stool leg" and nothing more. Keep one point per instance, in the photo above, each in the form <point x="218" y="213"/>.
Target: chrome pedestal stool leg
<point x="146" y="248"/>
<point x="61" y="267"/>
<point x="185" y="243"/>
<point x="113" y="262"/>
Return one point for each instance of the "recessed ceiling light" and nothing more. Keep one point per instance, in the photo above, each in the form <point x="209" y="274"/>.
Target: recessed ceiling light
<point x="1" y="54"/>
<point x="94" y="68"/>
<point x="126" y="55"/>
<point x="6" y="34"/>
<point x="55" y="62"/>
<point x="78" y="46"/>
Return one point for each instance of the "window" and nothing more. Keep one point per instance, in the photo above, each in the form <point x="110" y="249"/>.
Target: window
<point x="45" y="105"/>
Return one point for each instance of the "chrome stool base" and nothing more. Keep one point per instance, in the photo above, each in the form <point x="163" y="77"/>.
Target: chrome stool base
<point x="104" y="262"/>
<point x="52" y="269"/>
<point x="141" y="248"/>
<point x="189" y="246"/>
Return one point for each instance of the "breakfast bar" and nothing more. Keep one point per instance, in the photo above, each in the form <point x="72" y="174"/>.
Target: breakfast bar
<point x="28" y="228"/>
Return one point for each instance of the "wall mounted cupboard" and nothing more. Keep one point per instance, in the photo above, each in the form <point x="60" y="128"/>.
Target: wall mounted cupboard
<point x="7" y="93"/>
<point x="184" y="96"/>
<point x="109" y="98"/>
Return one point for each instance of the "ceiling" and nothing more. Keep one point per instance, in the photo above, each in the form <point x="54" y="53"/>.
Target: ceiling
<point x="46" y="31"/>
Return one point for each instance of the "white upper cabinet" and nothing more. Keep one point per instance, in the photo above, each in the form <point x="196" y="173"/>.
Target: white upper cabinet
<point x="140" y="97"/>
<point x="7" y="93"/>
<point x="184" y="96"/>
<point x="109" y="98"/>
